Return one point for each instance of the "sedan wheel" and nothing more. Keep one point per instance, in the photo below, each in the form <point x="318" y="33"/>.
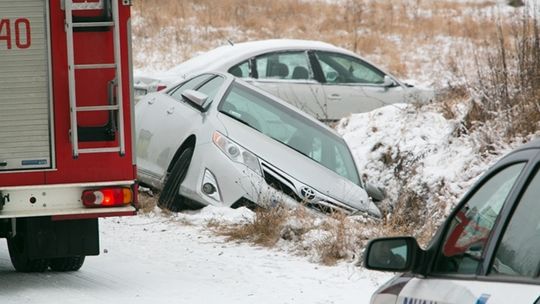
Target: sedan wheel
<point x="170" y="198"/>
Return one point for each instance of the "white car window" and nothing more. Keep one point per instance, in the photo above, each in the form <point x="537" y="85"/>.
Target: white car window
<point x="284" y="65"/>
<point x="471" y="227"/>
<point x="339" y="68"/>
<point x="518" y="253"/>
<point x="240" y="70"/>
<point x="211" y="87"/>
<point x="176" y="92"/>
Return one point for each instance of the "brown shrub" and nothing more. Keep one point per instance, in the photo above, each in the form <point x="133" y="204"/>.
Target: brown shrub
<point x="147" y="202"/>
<point x="265" y="229"/>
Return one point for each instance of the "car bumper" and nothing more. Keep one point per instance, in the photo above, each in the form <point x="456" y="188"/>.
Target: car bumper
<point x="235" y="181"/>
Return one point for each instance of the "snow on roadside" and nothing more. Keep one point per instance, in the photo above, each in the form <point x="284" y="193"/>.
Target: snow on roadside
<point x="404" y="147"/>
<point x="206" y="267"/>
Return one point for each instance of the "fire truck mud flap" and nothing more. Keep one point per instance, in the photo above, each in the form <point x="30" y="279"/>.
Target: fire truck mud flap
<point x="42" y="238"/>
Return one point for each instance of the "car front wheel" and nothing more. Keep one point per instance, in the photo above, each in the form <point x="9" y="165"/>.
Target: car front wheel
<point x="170" y="198"/>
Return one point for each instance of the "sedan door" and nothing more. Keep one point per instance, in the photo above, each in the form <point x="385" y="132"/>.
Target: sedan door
<point x="289" y="76"/>
<point x="354" y="86"/>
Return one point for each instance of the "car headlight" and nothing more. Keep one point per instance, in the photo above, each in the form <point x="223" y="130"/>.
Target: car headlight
<point x="236" y="152"/>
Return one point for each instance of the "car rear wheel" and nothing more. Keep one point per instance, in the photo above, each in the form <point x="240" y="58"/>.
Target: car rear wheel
<point x="18" y="253"/>
<point x="170" y="198"/>
<point x="67" y="263"/>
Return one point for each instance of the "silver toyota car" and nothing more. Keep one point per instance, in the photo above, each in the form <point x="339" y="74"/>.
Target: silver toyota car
<point x="217" y="140"/>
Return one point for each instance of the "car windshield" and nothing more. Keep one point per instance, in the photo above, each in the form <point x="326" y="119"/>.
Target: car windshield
<point x="289" y="128"/>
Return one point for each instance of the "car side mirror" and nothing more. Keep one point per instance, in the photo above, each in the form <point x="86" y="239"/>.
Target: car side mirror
<point x="395" y="254"/>
<point x="198" y="99"/>
<point x="377" y="194"/>
<point x="388" y="82"/>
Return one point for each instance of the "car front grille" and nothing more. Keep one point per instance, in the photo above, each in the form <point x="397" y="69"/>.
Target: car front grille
<point x="280" y="183"/>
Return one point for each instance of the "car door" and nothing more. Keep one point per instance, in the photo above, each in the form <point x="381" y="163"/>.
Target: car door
<point x="288" y="75"/>
<point x="157" y="129"/>
<point x="354" y="86"/>
<point x="463" y="270"/>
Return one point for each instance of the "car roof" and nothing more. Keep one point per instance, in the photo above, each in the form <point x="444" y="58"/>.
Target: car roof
<point x="229" y="54"/>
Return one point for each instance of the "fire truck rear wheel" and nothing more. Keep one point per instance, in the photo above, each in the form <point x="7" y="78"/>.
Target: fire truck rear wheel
<point x="67" y="264"/>
<point x="19" y="256"/>
<point x="170" y="198"/>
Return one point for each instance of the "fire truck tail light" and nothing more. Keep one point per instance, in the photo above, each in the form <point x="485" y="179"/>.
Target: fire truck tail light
<point x="108" y="197"/>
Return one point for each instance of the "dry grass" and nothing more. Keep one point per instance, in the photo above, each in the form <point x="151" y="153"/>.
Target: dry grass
<point x="507" y="89"/>
<point x="325" y="239"/>
<point x="338" y="243"/>
<point x="265" y="229"/>
<point x="147" y="202"/>
<point x="178" y="29"/>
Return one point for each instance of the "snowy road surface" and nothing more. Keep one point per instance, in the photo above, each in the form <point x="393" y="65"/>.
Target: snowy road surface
<point x="161" y="260"/>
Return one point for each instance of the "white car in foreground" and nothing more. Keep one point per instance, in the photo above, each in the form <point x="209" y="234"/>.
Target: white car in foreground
<point x="488" y="250"/>
<point x="321" y="79"/>
<point x="216" y="140"/>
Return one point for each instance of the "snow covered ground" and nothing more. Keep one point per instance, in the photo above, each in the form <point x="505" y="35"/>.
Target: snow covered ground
<point x="158" y="259"/>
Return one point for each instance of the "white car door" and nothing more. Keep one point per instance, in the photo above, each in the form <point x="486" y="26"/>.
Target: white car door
<point x="158" y="127"/>
<point x="289" y="76"/>
<point x="354" y="86"/>
<point x="486" y="256"/>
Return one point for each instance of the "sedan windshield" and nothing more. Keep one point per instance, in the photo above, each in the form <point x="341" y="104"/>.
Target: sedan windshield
<point x="289" y="128"/>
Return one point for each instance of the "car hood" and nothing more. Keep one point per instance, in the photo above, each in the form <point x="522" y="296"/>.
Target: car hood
<point x="303" y="170"/>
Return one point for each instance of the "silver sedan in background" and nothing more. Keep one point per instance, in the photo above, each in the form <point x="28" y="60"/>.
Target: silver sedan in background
<point x="321" y="79"/>
<point x="217" y="140"/>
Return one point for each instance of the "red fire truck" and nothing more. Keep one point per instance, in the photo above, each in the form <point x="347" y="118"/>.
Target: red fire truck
<point x="66" y="145"/>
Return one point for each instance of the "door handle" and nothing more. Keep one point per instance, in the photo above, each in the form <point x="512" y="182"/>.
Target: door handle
<point x="151" y="101"/>
<point x="170" y="110"/>
<point x="334" y="96"/>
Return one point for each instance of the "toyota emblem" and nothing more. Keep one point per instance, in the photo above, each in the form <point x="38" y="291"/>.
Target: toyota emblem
<point x="307" y="193"/>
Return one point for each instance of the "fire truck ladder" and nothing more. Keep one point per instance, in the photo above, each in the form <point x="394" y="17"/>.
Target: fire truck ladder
<point x="115" y="107"/>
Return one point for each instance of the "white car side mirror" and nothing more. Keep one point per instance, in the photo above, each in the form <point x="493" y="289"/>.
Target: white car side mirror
<point x="197" y="98"/>
<point x="388" y="82"/>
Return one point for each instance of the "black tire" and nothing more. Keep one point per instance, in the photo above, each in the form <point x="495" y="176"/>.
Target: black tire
<point x="169" y="197"/>
<point x="67" y="264"/>
<point x="18" y="254"/>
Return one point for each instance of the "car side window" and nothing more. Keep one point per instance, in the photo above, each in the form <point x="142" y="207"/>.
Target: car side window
<point x="469" y="230"/>
<point x="289" y="65"/>
<point x="211" y="87"/>
<point x="338" y="69"/>
<point x="240" y="70"/>
<point x="176" y="92"/>
<point x="518" y="251"/>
